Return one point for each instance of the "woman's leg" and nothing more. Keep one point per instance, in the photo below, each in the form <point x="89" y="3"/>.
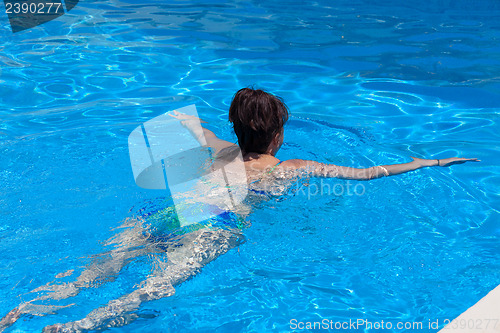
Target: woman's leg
<point x="184" y="259"/>
<point x="131" y="243"/>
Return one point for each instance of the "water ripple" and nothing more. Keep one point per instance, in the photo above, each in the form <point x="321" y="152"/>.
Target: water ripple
<point x="367" y="83"/>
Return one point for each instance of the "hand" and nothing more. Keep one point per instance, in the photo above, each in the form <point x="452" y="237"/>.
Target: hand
<point x="184" y="117"/>
<point x="446" y="162"/>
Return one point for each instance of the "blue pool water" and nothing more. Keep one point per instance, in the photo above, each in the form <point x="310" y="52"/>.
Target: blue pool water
<point x="367" y="83"/>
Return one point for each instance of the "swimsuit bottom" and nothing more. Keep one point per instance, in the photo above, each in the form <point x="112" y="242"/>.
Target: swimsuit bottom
<point x="165" y="224"/>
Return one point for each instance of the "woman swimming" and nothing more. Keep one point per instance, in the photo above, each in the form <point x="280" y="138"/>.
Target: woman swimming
<point x="258" y="120"/>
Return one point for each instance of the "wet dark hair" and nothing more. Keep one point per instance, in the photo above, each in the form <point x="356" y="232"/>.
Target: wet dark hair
<point x="257" y="118"/>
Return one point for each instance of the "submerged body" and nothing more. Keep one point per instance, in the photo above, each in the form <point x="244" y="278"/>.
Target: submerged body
<point x="176" y="258"/>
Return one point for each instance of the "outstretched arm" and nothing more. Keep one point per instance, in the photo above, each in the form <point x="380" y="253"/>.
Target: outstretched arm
<point x="317" y="169"/>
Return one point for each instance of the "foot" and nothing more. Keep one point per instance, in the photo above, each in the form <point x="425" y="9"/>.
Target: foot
<point x="9" y="319"/>
<point x="56" y="328"/>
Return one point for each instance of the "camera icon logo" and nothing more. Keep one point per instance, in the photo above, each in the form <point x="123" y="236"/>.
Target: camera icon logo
<point x="204" y="183"/>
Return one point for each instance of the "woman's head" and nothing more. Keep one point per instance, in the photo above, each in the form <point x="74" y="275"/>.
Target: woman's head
<point x="258" y="119"/>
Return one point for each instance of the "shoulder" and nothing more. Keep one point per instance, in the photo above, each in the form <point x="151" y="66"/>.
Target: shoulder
<point x="297" y="164"/>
